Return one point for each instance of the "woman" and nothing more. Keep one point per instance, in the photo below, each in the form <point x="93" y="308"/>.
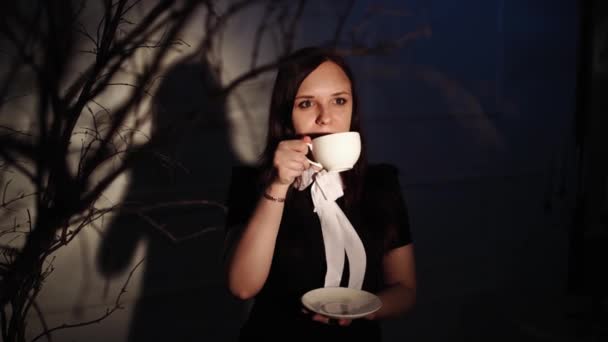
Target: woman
<point x="276" y="247"/>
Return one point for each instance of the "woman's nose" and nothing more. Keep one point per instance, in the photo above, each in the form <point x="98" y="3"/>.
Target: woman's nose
<point x="323" y="117"/>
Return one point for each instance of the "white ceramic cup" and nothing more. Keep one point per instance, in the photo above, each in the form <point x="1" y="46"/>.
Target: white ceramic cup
<point x="336" y="152"/>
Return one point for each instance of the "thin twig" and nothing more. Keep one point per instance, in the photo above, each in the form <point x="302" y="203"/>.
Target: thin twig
<point x="117" y="306"/>
<point x="251" y="74"/>
<point x="290" y="35"/>
<point x="341" y="21"/>
<point x="18" y="198"/>
<point x="12" y="98"/>
<point x="162" y="229"/>
<point x="14" y="163"/>
<point x="14" y="130"/>
<point x="82" y="30"/>
<point x="3" y="323"/>
<point x="43" y="322"/>
<point x="184" y="203"/>
<point x="259" y="33"/>
<point x="4" y="192"/>
<point x="9" y="250"/>
<point x="29" y="219"/>
<point x="37" y="286"/>
<point x="126" y="10"/>
<point x="130" y="85"/>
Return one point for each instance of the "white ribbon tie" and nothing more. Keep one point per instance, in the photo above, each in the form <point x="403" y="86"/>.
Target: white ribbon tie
<point x="339" y="235"/>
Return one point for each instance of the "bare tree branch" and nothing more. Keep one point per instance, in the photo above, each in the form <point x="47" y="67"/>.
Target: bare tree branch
<point x="270" y="66"/>
<point x="126" y="10"/>
<point x="6" y="203"/>
<point x="122" y="112"/>
<point x="219" y="24"/>
<point x="17" y="165"/>
<point x="341" y="22"/>
<point x="45" y="327"/>
<point x="37" y="286"/>
<point x="13" y="71"/>
<point x="91" y="86"/>
<point x="4" y="192"/>
<point x="82" y="30"/>
<point x="3" y="323"/>
<point x="290" y="34"/>
<point x="14" y="131"/>
<point x="259" y="33"/>
<point x="117" y="306"/>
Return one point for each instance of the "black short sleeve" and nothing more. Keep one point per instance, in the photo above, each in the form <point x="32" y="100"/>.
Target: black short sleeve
<point x="383" y="195"/>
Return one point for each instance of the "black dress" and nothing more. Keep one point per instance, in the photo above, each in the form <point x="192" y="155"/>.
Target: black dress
<point x="298" y="264"/>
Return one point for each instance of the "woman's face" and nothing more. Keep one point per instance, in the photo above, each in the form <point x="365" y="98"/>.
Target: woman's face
<point x="323" y="103"/>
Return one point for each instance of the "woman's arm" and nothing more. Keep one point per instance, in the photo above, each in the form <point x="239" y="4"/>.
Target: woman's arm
<point x="249" y="261"/>
<point x="400" y="275"/>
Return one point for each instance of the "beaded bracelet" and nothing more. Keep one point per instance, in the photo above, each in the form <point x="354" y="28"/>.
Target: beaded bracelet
<point x="275" y="199"/>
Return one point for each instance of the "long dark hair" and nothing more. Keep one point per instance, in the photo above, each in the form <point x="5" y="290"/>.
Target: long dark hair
<point x="293" y="69"/>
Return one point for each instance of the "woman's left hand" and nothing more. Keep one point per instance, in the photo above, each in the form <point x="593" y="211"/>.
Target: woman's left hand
<point x="328" y="320"/>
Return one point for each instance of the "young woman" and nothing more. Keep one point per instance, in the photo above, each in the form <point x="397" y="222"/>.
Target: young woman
<point x="276" y="249"/>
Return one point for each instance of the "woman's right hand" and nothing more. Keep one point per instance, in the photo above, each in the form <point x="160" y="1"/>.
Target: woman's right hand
<point x="290" y="160"/>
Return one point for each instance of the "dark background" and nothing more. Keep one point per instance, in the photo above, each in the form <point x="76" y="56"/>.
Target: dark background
<point x="497" y="124"/>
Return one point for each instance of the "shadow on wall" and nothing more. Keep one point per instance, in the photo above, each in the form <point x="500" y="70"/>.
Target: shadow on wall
<point x="182" y="295"/>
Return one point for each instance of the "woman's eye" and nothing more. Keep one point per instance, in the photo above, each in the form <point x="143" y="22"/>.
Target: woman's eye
<point x="305" y="104"/>
<point x="340" y="101"/>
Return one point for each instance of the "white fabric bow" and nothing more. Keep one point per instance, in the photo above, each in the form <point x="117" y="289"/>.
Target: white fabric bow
<point x="339" y="235"/>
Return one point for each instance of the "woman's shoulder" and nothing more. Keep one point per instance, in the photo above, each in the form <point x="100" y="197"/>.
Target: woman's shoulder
<point x="383" y="168"/>
<point x="382" y="180"/>
<point x="386" y="205"/>
<point x="382" y="173"/>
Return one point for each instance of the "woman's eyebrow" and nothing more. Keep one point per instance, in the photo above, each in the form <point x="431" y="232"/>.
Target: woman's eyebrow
<point x="312" y="97"/>
<point x="304" y="97"/>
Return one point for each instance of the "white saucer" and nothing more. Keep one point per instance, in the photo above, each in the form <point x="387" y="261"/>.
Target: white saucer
<point x="341" y="302"/>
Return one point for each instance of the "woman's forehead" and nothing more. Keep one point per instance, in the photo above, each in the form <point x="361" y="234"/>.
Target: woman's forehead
<point x="327" y="79"/>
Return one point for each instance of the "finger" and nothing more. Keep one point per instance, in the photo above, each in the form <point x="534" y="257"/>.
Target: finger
<point x="301" y="158"/>
<point x="292" y="156"/>
<point x="288" y="155"/>
<point x="295" y="166"/>
<point x="371" y="316"/>
<point x="320" y="318"/>
<point x="287" y="147"/>
<point x="305" y="162"/>
<point x="344" y="322"/>
<point x="296" y="145"/>
<point x="285" y="157"/>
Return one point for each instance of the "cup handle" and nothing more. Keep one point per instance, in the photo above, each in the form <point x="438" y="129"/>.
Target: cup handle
<point x="312" y="162"/>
